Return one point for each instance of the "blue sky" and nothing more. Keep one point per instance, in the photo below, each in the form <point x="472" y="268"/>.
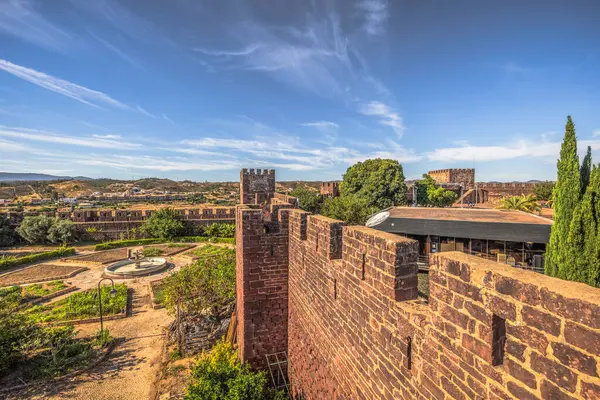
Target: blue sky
<point x="196" y="90"/>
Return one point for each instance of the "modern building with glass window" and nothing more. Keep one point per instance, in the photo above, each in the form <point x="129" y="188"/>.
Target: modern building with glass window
<point x="507" y="236"/>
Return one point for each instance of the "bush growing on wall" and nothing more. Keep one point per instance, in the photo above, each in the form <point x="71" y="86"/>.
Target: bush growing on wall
<point x="219" y="375"/>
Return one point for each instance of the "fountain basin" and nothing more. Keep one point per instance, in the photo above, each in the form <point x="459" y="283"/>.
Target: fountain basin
<point x="135" y="268"/>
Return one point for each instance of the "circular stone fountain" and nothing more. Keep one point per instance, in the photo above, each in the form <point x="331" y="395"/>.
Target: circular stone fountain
<point x="135" y="268"/>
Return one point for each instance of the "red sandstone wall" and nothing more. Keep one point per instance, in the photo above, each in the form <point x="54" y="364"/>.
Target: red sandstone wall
<point x="261" y="279"/>
<point x="351" y="335"/>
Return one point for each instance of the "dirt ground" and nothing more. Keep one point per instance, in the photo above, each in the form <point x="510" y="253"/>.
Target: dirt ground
<point x="39" y="271"/>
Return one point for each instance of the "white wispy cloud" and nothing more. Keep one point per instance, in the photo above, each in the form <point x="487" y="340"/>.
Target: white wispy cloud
<point x="97" y="141"/>
<point x="10" y="147"/>
<point x="385" y="114"/>
<point x="146" y="113"/>
<point x="107" y="136"/>
<point x="316" y="55"/>
<point x="169" y="120"/>
<point x="375" y="14"/>
<point x="521" y="148"/>
<point x="321" y="124"/>
<point x="513" y="67"/>
<point x="152" y="163"/>
<point x="22" y="19"/>
<point x="123" y="55"/>
<point x="61" y="86"/>
<point x="596" y="133"/>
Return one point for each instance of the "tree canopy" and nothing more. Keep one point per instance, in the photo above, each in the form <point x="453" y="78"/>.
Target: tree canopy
<point x="543" y="190"/>
<point x="165" y="223"/>
<point x="310" y="200"/>
<point x="352" y="209"/>
<point x="567" y="193"/>
<point x="43" y="229"/>
<point x="380" y="182"/>
<point x="432" y="195"/>
<point x="7" y="232"/>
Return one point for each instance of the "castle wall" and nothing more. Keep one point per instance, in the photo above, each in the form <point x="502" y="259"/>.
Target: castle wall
<point x="355" y="330"/>
<point x="330" y="189"/>
<point x="461" y="176"/>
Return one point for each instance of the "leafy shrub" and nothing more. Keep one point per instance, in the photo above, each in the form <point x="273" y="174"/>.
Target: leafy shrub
<point x="9" y="262"/>
<point x="220" y="230"/>
<point x="34" y="229"/>
<point x="209" y="282"/>
<point x="81" y="305"/>
<point x="62" y="232"/>
<point x="7" y="232"/>
<point x="103" y="338"/>
<point x="219" y="375"/>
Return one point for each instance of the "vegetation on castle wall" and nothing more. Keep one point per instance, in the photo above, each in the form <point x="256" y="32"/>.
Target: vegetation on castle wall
<point x="352" y="209"/>
<point x="219" y="375"/>
<point x="9" y="262"/>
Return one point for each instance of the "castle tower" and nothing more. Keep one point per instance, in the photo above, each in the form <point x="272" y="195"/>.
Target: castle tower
<point x="256" y="187"/>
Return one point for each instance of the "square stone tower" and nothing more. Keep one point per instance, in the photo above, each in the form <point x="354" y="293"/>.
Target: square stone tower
<point x="256" y="186"/>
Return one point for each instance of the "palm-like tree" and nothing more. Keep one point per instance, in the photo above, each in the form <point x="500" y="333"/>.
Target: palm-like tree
<point x="526" y="203"/>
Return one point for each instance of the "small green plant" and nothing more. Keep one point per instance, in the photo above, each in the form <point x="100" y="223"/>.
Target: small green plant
<point x="152" y="252"/>
<point x="175" y="355"/>
<point x="103" y="338"/>
<point x="182" y="239"/>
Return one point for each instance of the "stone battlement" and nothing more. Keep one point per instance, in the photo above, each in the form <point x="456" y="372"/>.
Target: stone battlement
<point x="342" y="301"/>
<point x="258" y="171"/>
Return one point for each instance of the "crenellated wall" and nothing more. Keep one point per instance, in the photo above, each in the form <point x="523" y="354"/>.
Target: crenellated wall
<point x="356" y="330"/>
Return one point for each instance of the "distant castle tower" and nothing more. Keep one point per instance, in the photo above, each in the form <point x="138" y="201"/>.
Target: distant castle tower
<point x="256" y="187"/>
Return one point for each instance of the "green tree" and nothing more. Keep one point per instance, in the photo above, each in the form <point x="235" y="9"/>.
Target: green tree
<point x="543" y="190"/>
<point x="34" y="229"/>
<point x="219" y="375"/>
<point x="430" y="194"/>
<point x="62" y="231"/>
<point x="584" y="262"/>
<point x="165" y="223"/>
<point x="7" y="232"/>
<point x="526" y="203"/>
<point x="220" y="230"/>
<point x="310" y="200"/>
<point x="585" y="171"/>
<point x="353" y="209"/>
<point x="567" y="193"/>
<point x="379" y="181"/>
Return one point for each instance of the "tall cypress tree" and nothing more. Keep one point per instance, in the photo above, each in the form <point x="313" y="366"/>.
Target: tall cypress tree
<point x="583" y="263"/>
<point x="567" y="193"/>
<point x="586" y="167"/>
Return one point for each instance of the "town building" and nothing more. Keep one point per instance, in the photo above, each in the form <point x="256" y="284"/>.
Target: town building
<point x="507" y="236"/>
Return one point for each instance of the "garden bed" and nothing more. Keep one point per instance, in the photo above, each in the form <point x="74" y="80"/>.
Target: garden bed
<point x="156" y="294"/>
<point x="82" y="307"/>
<point x="36" y="293"/>
<point x="168" y="249"/>
<point x="39" y="273"/>
<point x="101" y="257"/>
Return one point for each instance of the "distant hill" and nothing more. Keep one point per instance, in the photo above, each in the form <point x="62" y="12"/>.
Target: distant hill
<point x="17" y="177"/>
